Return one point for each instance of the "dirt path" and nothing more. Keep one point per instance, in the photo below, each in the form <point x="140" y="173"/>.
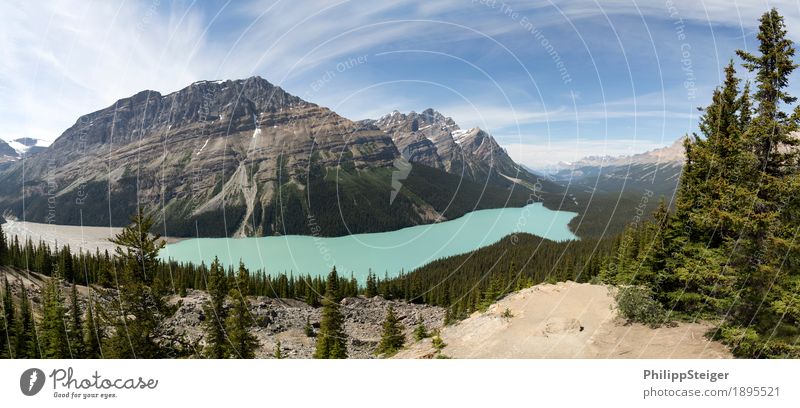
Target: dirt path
<point x="565" y="320"/>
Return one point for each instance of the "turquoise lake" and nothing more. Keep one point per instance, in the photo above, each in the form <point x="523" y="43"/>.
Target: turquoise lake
<point x="392" y="252"/>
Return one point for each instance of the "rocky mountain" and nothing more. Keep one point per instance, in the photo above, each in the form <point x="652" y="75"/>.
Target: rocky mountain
<point x="656" y="170"/>
<point x="435" y="140"/>
<point x="7" y="154"/>
<point x="14" y="150"/>
<point x="28" y="145"/>
<point x="244" y="157"/>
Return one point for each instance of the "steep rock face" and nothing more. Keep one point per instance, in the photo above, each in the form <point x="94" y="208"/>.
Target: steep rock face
<point x="213" y="149"/>
<point x="435" y="140"/>
<point x="237" y="158"/>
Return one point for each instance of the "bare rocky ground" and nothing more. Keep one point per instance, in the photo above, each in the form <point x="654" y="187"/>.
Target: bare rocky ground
<point x="284" y="320"/>
<point x="564" y="320"/>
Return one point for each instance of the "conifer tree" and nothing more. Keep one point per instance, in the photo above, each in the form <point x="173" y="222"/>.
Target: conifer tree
<point x="3" y="248"/>
<point x="76" y="324"/>
<point x="93" y="333"/>
<point x="216" y="315"/>
<point x="696" y="276"/>
<point x="138" y="309"/>
<point x="392" y="339"/>
<point x="27" y="342"/>
<point x="331" y="338"/>
<point x="7" y="320"/>
<point x="243" y="343"/>
<point x="372" y="286"/>
<point x="54" y="336"/>
<point x="768" y="251"/>
<point x="420" y="332"/>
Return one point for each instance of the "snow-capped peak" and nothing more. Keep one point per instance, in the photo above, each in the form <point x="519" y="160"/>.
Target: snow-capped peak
<point x="24" y="144"/>
<point x="461" y="134"/>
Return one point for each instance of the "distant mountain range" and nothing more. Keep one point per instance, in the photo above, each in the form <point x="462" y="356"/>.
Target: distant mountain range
<point x="656" y="170"/>
<point x="14" y="150"/>
<point x="246" y="158"/>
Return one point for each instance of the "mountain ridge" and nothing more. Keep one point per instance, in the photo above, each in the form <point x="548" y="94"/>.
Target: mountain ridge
<point x="242" y="158"/>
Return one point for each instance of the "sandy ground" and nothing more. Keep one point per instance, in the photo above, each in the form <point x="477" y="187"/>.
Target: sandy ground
<point x="565" y="320"/>
<point x="86" y="238"/>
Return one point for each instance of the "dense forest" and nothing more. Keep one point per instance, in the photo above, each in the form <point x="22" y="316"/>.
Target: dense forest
<point x="725" y="252"/>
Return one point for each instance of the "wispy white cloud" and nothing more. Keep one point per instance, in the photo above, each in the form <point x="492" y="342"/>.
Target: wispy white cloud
<point x="63" y="59"/>
<point x="59" y="60"/>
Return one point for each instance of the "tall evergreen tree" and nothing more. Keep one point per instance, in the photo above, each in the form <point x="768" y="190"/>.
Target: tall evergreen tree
<point x="768" y="253"/>
<point x="54" y="337"/>
<point x="27" y="342"/>
<point x="93" y="334"/>
<point x="7" y="320"/>
<point x="692" y="264"/>
<point x="371" y="289"/>
<point x="138" y="310"/>
<point x="3" y="248"/>
<point x="331" y="338"/>
<point x="243" y="342"/>
<point x="217" y="287"/>
<point x="76" y="324"/>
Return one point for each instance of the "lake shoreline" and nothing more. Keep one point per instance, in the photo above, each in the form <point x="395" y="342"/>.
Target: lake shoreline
<point x="391" y="252"/>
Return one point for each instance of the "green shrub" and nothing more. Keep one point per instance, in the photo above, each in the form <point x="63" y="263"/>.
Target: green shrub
<point x="636" y="304"/>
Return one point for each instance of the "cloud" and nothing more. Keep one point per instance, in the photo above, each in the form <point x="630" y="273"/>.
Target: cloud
<point x="63" y="59"/>
<point x="59" y="60"/>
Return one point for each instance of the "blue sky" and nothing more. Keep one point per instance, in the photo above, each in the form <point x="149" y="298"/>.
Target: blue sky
<point x="552" y="80"/>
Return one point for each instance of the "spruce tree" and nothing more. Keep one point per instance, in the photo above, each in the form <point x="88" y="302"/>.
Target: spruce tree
<point x="54" y="337"/>
<point x="3" y="248"/>
<point x="216" y="315"/>
<point x="371" y="289"/>
<point x="692" y="262"/>
<point x="768" y="251"/>
<point x="7" y="320"/>
<point x="420" y="332"/>
<point x="243" y="343"/>
<point x="93" y="333"/>
<point x="138" y="310"/>
<point x="76" y="324"/>
<point x="27" y="342"/>
<point x="331" y="338"/>
<point x="392" y="339"/>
